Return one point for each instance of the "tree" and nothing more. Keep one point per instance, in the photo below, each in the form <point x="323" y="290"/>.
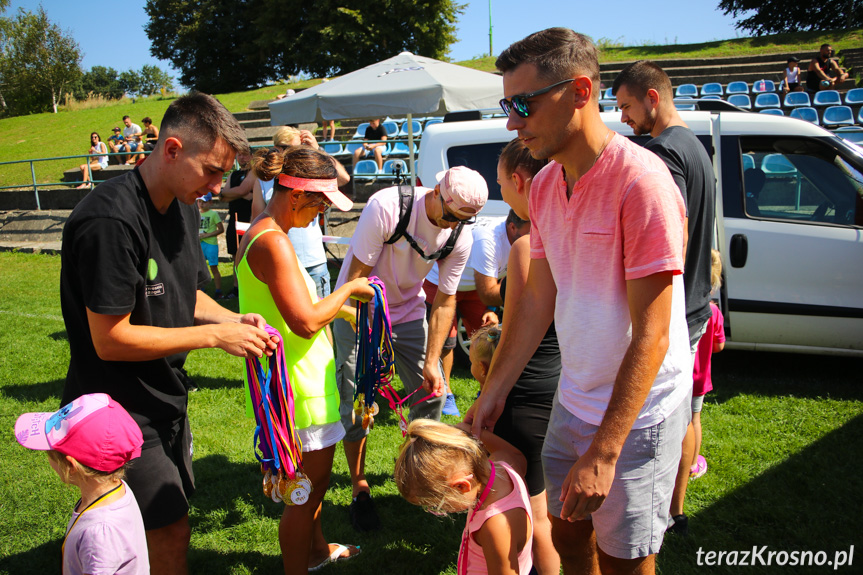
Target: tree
<point x="209" y="41"/>
<point x="38" y="63"/>
<point x="130" y="82"/>
<point x="153" y="79"/>
<point x="778" y="16"/>
<point x="101" y="81"/>
<point x="338" y="36"/>
<point x="225" y="45"/>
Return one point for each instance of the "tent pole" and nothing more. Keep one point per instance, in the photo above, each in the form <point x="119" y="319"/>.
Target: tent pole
<point x="411" y="152"/>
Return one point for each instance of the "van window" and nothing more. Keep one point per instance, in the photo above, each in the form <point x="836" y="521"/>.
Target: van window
<point x="483" y="159"/>
<point x="800" y="180"/>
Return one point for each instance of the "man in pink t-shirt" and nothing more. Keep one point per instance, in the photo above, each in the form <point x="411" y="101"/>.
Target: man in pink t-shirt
<point x="459" y="196"/>
<point x="607" y="258"/>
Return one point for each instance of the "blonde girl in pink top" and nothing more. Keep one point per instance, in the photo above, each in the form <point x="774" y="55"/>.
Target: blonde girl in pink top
<point x="446" y="470"/>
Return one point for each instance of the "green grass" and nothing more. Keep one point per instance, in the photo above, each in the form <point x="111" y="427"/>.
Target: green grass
<point x="781" y="435"/>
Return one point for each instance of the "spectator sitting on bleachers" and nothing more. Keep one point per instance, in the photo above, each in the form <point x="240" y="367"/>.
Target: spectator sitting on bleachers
<point x="132" y="134"/>
<point x="151" y="133"/>
<point x="791" y="76"/>
<point x="117" y="144"/>
<point x="97" y="146"/>
<point x="374" y="132"/>
<point x="824" y="72"/>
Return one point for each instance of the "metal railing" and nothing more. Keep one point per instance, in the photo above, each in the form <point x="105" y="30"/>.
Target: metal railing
<point x="33" y="184"/>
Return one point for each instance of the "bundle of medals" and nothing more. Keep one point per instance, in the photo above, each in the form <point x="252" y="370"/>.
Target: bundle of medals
<point x="376" y="361"/>
<point x="276" y="436"/>
<point x="375" y="357"/>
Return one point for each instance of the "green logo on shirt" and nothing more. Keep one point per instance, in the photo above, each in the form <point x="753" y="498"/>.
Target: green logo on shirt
<point x="152" y="269"/>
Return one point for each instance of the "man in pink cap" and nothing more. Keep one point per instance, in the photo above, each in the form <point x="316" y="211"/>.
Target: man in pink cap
<point x="402" y="264"/>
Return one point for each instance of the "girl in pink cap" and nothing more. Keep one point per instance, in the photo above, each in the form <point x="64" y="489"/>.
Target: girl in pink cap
<point x="274" y="284"/>
<point x="89" y="442"/>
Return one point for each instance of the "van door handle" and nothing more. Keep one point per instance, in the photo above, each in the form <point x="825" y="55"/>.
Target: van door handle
<point x="739" y="250"/>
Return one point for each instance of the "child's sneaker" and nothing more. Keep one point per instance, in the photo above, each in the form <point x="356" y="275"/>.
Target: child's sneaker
<point x="449" y="406"/>
<point x="699" y="469"/>
<point x="218" y="294"/>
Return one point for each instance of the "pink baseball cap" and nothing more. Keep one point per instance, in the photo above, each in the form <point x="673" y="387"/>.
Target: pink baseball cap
<point x="94" y="429"/>
<point x="463" y="190"/>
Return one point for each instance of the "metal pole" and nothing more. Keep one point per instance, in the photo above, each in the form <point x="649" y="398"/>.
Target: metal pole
<point x="35" y="187"/>
<point x="490" y="49"/>
<point x="411" y="151"/>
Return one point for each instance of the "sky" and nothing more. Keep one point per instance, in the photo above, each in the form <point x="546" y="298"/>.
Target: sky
<point x="111" y="32"/>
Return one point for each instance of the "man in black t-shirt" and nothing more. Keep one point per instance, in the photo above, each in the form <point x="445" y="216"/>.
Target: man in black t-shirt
<point x="374" y="132"/>
<point x="646" y="103"/>
<point x="823" y="72"/>
<point x="130" y="292"/>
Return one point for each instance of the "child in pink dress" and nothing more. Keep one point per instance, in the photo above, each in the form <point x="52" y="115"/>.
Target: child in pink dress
<point x="713" y="341"/>
<point x="446" y="470"/>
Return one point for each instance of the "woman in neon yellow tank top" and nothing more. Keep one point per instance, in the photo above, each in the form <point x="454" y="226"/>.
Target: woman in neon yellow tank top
<point x="273" y="283"/>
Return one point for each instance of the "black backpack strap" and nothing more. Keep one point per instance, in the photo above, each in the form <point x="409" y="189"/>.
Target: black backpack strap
<point x="406" y="206"/>
<point x="449" y="246"/>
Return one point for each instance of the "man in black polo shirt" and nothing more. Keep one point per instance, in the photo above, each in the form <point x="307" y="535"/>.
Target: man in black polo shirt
<point x="646" y="103"/>
<point x="374" y="132"/>
<point x="129" y="287"/>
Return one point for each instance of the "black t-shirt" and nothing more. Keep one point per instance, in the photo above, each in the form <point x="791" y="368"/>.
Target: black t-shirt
<point x="119" y="256"/>
<point x="813" y="80"/>
<point x="239" y="210"/>
<point x="378" y="133"/>
<point x="538" y="382"/>
<point x="690" y="166"/>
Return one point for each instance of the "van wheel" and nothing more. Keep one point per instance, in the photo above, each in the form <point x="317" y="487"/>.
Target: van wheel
<point x="462" y="345"/>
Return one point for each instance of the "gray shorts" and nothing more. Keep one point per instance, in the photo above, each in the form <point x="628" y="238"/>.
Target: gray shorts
<point x="697" y="403"/>
<point x="632" y="520"/>
<point x="409" y="345"/>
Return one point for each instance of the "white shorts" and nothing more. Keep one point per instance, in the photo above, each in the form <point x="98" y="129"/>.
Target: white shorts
<point x="317" y="437"/>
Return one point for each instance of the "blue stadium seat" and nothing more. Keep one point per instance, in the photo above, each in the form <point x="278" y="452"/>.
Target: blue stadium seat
<point x="417" y="129"/>
<point x="392" y="128"/>
<point x="796" y="99"/>
<point x="807" y="113"/>
<point x="772" y="112"/>
<point x="838" y="116"/>
<point x="763" y="86"/>
<point x="608" y="95"/>
<point x="401" y="149"/>
<point x="826" y="98"/>
<point x="748" y="161"/>
<point x="389" y="166"/>
<point x="854" y="97"/>
<point x="740" y="100"/>
<point x="365" y="170"/>
<point x="777" y="164"/>
<point x="711" y="97"/>
<point x="361" y="131"/>
<point x="860" y="117"/>
<point x="333" y="148"/>
<point x="431" y="121"/>
<point x="686" y="91"/>
<point x="608" y="105"/>
<point x="712" y="89"/>
<point x="351" y="147"/>
<point x="684" y="106"/>
<point x="737" y="88"/>
<point x="767" y="100"/>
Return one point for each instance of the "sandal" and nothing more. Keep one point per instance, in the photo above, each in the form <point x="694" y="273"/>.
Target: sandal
<point x="336" y="555"/>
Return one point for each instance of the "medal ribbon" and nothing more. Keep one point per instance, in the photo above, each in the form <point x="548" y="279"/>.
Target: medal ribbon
<point x="461" y="566"/>
<point x="273" y="401"/>
<point x="375" y="355"/>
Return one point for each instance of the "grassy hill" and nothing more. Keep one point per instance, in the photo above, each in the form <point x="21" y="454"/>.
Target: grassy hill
<point x="68" y="132"/>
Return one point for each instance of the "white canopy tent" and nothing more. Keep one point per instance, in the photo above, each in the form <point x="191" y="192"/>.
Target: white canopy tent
<point x="402" y="85"/>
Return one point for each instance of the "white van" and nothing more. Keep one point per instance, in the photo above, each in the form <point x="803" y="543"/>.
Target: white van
<point x="789" y="221"/>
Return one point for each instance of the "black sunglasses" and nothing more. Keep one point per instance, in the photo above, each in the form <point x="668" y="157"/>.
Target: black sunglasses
<point x="450" y="217"/>
<point x="519" y="102"/>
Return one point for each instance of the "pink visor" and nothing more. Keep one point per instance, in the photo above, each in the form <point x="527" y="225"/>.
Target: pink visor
<point x="328" y="188"/>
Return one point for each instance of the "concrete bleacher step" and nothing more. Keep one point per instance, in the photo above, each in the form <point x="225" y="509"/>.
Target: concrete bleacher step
<point x="74" y="175"/>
